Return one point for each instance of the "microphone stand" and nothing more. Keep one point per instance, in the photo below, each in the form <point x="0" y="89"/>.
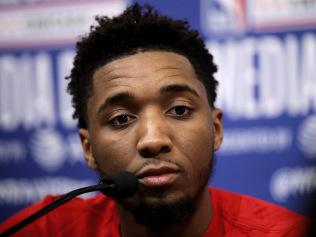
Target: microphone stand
<point x="65" y="198"/>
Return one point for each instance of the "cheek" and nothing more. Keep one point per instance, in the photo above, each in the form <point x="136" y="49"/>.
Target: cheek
<point x="112" y="154"/>
<point x="197" y="146"/>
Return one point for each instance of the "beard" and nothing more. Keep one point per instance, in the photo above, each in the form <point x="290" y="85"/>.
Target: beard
<point x="161" y="214"/>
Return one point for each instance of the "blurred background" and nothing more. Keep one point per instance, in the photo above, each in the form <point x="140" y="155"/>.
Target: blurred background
<point x="266" y="54"/>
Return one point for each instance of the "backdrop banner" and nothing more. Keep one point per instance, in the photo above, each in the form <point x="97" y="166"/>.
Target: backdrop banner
<point x="266" y="55"/>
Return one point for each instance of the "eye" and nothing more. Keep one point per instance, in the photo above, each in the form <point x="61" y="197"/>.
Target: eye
<point x="180" y="111"/>
<point x="122" y="120"/>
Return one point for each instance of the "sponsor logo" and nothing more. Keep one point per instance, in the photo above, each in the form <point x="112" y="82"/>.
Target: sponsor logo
<point x="12" y="151"/>
<point x="47" y="149"/>
<point x="223" y="16"/>
<point x="276" y="15"/>
<point x="51" y="149"/>
<point x="307" y="137"/>
<point x="292" y="182"/>
<point x="276" y="76"/>
<point x="257" y="140"/>
<point x="52" y="23"/>
<point x="25" y="191"/>
<point x="32" y="97"/>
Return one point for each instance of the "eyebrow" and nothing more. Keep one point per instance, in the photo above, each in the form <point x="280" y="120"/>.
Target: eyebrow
<point x="115" y="99"/>
<point x="126" y="96"/>
<point x="178" y="88"/>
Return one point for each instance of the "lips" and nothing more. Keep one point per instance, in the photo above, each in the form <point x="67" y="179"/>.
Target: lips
<point x="157" y="176"/>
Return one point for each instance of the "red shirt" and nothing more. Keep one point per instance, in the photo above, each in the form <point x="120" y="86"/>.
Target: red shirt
<point x="233" y="215"/>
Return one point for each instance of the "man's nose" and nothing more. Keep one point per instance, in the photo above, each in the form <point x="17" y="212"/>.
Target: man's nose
<point x="154" y="138"/>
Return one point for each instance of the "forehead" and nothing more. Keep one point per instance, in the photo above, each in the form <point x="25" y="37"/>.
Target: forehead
<point x="144" y="66"/>
<point x="143" y="74"/>
<point x="146" y="62"/>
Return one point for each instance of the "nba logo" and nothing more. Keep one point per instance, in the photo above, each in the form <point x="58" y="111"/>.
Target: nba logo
<point x="220" y="17"/>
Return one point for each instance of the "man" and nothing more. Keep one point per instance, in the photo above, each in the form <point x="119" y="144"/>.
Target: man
<point x="143" y="92"/>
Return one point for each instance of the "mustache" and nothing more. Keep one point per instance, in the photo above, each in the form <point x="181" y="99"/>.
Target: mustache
<point x="149" y="161"/>
<point x="158" y="161"/>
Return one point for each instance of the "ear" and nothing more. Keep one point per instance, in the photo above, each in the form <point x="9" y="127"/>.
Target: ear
<point x="86" y="147"/>
<point x="217" y="116"/>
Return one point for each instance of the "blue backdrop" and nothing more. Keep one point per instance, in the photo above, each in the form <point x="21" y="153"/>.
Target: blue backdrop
<point x="266" y="53"/>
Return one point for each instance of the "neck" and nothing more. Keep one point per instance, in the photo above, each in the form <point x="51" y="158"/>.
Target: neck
<point x="193" y="225"/>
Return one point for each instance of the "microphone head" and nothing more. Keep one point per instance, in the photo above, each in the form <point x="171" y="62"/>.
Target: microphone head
<point x="123" y="185"/>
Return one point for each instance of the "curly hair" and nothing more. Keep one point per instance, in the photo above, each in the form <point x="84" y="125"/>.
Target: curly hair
<point x="137" y="29"/>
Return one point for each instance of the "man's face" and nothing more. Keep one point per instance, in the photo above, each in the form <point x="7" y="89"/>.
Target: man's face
<point x="149" y="114"/>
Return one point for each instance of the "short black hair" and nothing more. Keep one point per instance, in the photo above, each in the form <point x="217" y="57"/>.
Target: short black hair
<point x="139" y="28"/>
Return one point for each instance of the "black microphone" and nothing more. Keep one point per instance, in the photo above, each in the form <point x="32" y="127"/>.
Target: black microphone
<point x="119" y="185"/>
<point x="123" y="185"/>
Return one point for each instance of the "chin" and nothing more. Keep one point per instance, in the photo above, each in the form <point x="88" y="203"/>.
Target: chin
<point x="160" y="212"/>
<point x="163" y="194"/>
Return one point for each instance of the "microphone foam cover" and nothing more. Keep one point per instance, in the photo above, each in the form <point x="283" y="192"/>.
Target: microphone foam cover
<point x="125" y="185"/>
